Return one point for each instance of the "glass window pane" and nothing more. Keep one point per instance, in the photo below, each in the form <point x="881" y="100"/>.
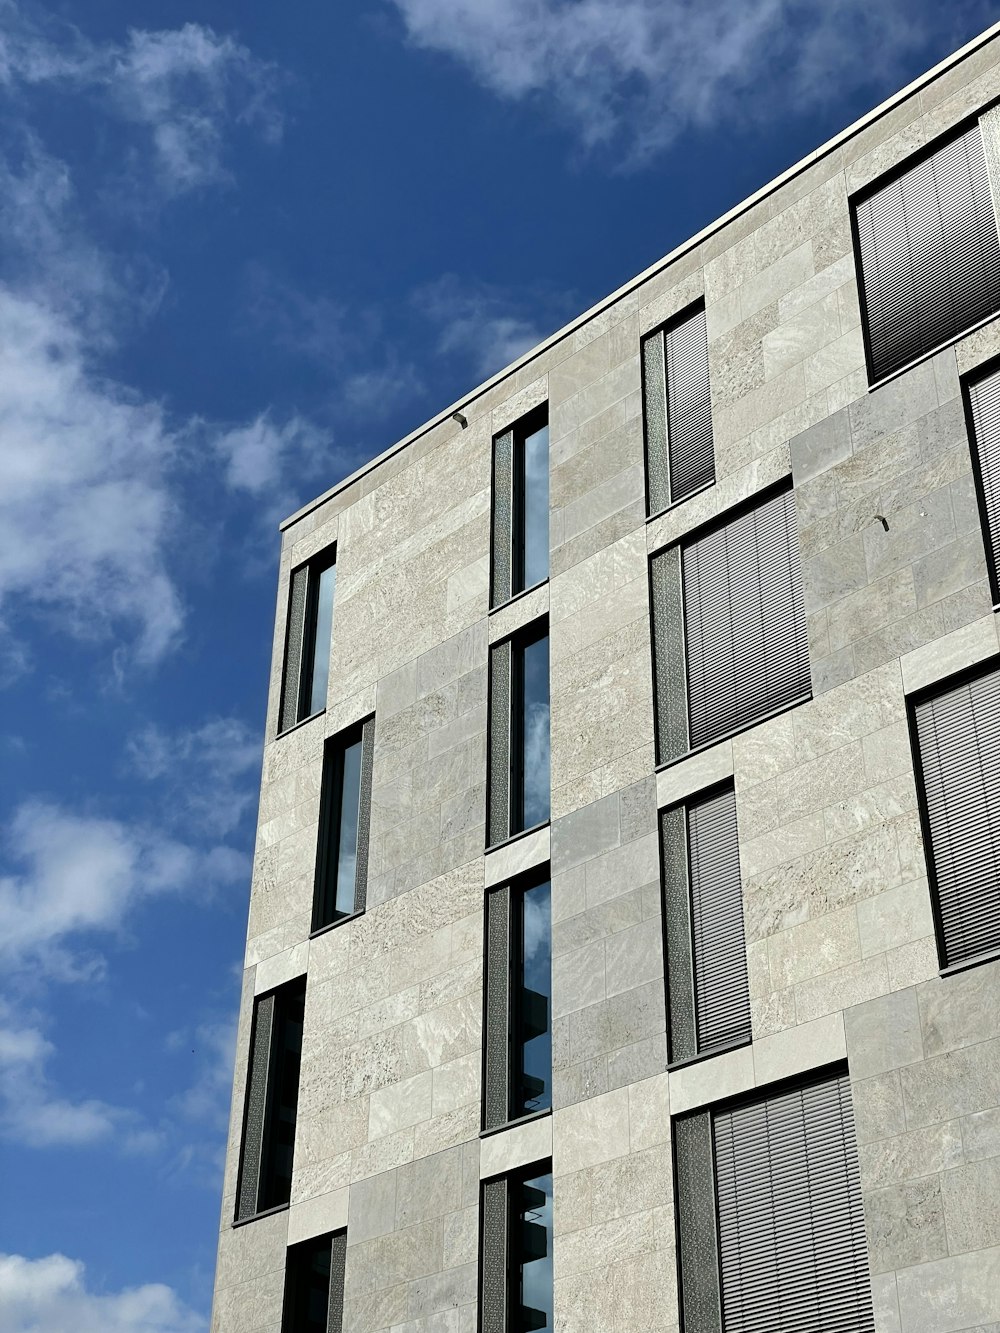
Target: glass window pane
<point x="347" y="841"/>
<point x="533" y="1004"/>
<point x="535" y="733"/>
<point x="276" y="1186"/>
<point x="321" y="639"/>
<point x="536" y="507"/>
<point x="532" y="1221"/>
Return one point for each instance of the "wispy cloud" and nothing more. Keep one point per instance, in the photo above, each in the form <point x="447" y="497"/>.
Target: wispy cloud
<point x="269" y="460"/>
<point x="41" y="1295"/>
<point x="483" y="325"/>
<point x="633" y="74"/>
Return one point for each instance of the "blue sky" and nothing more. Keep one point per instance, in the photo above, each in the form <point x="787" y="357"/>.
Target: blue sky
<point x="243" y="248"/>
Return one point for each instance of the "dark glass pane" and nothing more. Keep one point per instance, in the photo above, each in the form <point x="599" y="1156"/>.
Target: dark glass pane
<point x="534" y="734"/>
<point x="323" y="629"/>
<point x="536" y="507"/>
<point x="307" y="1287"/>
<point x="279" y="1133"/>
<point x="533" y="1004"/>
<point x="347" y="836"/>
<point x="531" y="1219"/>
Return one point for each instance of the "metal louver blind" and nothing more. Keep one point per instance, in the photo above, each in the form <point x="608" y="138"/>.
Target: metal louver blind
<point x="930" y="254"/>
<point x="792" y="1251"/>
<point x="747" y="649"/>
<point x="984" y="398"/>
<point x="721" y="991"/>
<point x="679" y="446"/>
<point x="958" y="732"/>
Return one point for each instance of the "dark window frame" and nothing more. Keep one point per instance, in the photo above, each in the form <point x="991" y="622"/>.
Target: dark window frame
<point x="325" y="883"/>
<point x="967" y="382"/>
<point x="510" y="1180"/>
<point x="516" y="538"/>
<point x="665" y="328"/>
<point x="954" y="681"/>
<point x="526" y="636"/>
<point x="861" y="196"/>
<point x="518" y="886"/>
<point x="313" y="569"/>
<point x="292" y="1297"/>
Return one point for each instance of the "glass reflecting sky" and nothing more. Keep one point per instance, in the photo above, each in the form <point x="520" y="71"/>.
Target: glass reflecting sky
<point x="536" y="734"/>
<point x="324" y="631"/>
<point x="534" y="1035"/>
<point x="347" y="845"/>
<point x="536" y="507"/>
<point x="535" y="1211"/>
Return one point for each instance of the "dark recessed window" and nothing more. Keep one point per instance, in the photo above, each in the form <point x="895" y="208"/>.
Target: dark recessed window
<point x="271" y="1100"/>
<point x="680" y="454"/>
<point x="956" y="732"/>
<point x="520" y="507"/>
<point x="345" y="815"/>
<point x="516" y="1261"/>
<point x="314" y="1285"/>
<point x="708" y="999"/>
<point x="770" y="1225"/>
<point x="307" y="639"/>
<point x="517" y="1053"/>
<point x="519" y="733"/>
<point x="928" y="252"/>
<point x="729" y="627"/>
<point x="984" y="409"/>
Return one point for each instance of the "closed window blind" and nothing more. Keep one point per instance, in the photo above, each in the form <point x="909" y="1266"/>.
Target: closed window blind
<point x="929" y="253"/>
<point x="984" y="400"/>
<point x="679" y="445"/>
<point x="744" y="615"/>
<point x="958" y="735"/>
<point x="792" y="1250"/>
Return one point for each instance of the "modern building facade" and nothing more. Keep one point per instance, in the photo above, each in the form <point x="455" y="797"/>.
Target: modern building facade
<point x="624" y="943"/>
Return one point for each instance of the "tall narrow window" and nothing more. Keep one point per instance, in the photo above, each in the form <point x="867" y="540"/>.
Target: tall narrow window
<point x="516" y="1261"/>
<point x="707" y="991"/>
<point x="680" y="454"/>
<point x="307" y="639"/>
<point x="345" y="815"/>
<point x="520" y="507"/>
<point x="771" y="1232"/>
<point x="956" y="731"/>
<point x="729" y="627"/>
<point x="984" y="409"/>
<point x="519" y="733"/>
<point x="314" y="1285"/>
<point x="928" y="251"/>
<point x="272" y="1100"/>
<point x="517" y="1055"/>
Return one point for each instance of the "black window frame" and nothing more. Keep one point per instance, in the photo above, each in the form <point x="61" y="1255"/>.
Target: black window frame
<point x="296" y="1258"/>
<point x="946" y="967"/>
<point x="663" y="330"/>
<point x="495" y="1321"/>
<point x="861" y="196"/>
<point x="513" y="538"/>
<point x="991" y="547"/>
<point x="325" y="882"/>
<point x="298" y="659"/>
<point x="261" y="1103"/>
<point x="501" y="994"/>
<point x="505" y="730"/>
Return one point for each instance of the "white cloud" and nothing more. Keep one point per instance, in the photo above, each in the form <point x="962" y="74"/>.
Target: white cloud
<point x="206" y="1100"/>
<point x="477" y="321"/>
<point x="271" y="461"/>
<point x="83" y="875"/>
<point x="50" y="1295"/>
<point x="208" y="770"/>
<point x="183" y="86"/>
<point x="638" y="72"/>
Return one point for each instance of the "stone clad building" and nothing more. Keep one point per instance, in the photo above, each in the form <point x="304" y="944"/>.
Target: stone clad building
<point x="625" y="919"/>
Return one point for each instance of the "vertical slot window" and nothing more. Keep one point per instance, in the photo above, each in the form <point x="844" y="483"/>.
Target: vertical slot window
<point x="677" y="404"/>
<point x="314" y="1285"/>
<point x="345" y="815"/>
<point x="519" y="760"/>
<point x="516" y="1293"/>
<point x="272" y="1100"/>
<point x="520" y="507"/>
<point x="308" y="637"/>
<point x="983" y="398"/>
<point x="517" y="1077"/>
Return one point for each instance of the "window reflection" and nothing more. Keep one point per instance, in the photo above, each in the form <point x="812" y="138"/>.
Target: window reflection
<point x="322" y="633"/>
<point x="532" y="1027"/>
<point x="535" y="508"/>
<point x="532" y="1220"/>
<point x="534" y="723"/>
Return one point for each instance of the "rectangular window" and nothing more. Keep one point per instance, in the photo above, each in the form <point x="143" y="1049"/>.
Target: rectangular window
<point x="519" y="733"/>
<point x="729" y="627"/>
<point x="271" y="1100"/>
<point x="345" y="815"/>
<point x="680" y="454"/>
<point x="520" y="507"/>
<point x="956" y="733"/>
<point x="314" y="1285"/>
<point x="516" y="1261"/>
<point x="517" y="1069"/>
<point x="307" y="639"/>
<point x="928" y="251"/>
<point x="983" y="402"/>
<point x="708" y="998"/>
<point x="771" y="1232"/>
